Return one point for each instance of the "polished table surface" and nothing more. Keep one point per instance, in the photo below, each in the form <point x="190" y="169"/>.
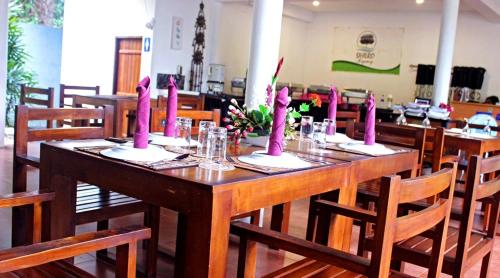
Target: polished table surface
<point x="206" y="200"/>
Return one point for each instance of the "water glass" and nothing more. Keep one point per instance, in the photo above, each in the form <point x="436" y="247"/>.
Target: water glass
<point x="330" y="126"/>
<point x="183" y="132"/>
<point x="306" y="127"/>
<point x="319" y="135"/>
<point x="216" y="150"/>
<point x="201" y="149"/>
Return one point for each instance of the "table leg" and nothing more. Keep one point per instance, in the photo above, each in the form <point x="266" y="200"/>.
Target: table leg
<point x="203" y="235"/>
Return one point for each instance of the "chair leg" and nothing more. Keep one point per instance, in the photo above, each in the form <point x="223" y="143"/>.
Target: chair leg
<point x="101" y="226"/>
<point x="153" y="222"/>
<point x="311" y="218"/>
<point x="247" y="258"/>
<point x="280" y="217"/>
<point x="126" y="260"/>
<point x="323" y="227"/>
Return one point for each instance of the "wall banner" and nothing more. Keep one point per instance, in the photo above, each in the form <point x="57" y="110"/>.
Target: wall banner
<point x="367" y="50"/>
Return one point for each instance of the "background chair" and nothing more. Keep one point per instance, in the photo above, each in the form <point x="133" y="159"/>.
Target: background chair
<point x="38" y="97"/>
<point x="323" y="261"/>
<point x="93" y="204"/>
<point x="46" y="259"/>
<point x="66" y="93"/>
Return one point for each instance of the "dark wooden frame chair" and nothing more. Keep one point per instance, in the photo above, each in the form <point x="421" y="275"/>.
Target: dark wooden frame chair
<point x="390" y="229"/>
<point x="464" y="246"/>
<point x="93" y="203"/>
<point x="63" y="95"/>
<point x="158" y="116"/>
<point x="343" y="117"/>
<point x="47" y="259"/>
<point x="27" y="98"/>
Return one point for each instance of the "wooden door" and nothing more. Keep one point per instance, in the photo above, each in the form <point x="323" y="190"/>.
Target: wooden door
<point x="127" y="64"/>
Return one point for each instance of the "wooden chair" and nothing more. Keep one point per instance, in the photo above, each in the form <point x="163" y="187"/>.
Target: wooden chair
<point x="158" y="116"/>
<point x="434" y="149"/>
<point x="37" y="96"/>
<point x="464" y="245"/>
<point x="323" y="261"/>
<point x="47" y="259"/>
<point x="93" y="204"/>
<point x="64" y="95"/>
<point x="345" y="116"/>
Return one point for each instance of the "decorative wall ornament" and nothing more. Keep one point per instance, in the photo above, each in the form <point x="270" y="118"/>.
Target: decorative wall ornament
<point x="196" y="75"/>
<point x="177" y="30"/>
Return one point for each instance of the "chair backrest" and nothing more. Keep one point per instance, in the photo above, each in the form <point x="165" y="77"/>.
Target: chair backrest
<point x="64" y="94"/>
<point x="487" y="191"/>
<point x="344" y="116"/>
<point x="391" y="229"/>
<point x="434" y="146"/>
<point x="158" y="116"/>
<point x="392" y="134"/>
<point x="24" y="114"/>
<point x="37" y="96"/>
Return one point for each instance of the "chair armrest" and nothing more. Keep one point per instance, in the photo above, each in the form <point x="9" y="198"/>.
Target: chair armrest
<point x="25" y="198"/>
<point x="41" y="253"/>
<point x="28" y="160"/>
<point x="352" y="212"/>
<point x="301" y="247"/>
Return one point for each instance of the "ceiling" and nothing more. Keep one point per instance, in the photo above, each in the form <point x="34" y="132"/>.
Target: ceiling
<point x="372" y="5"/>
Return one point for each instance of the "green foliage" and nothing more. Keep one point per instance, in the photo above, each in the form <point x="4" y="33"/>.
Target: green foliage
<point x="16" y="64"/>
<point x="46" y="12"/>
<point x="304" y="107"/>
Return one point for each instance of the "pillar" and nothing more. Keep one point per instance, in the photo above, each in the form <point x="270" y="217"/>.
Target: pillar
<point x="4" y="7"/>
<point x="444" y="63"/>
<point x="264" y="49"/>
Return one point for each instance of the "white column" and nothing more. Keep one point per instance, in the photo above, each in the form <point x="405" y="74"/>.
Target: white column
<point x="444" y="63"/>
<point x="4" y="6"/>
<point x="264" y="50"/>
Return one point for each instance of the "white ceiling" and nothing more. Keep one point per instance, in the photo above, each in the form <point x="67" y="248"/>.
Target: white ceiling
<point x="372" y="5"/>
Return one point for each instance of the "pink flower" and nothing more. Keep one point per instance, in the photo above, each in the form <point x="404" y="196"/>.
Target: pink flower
<point x="229" y="127"/>
<point x="226" y="120"/>
<point x="237" y="132"/>
<point x="241" y="115"/>
<point x="244" y="133"/>
<point x="250" y="129"/>
<point x="269" y="96"/>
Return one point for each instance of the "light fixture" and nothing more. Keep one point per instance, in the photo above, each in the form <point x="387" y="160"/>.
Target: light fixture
<point x="419" y="2"/>
<point x="315" y="3"/>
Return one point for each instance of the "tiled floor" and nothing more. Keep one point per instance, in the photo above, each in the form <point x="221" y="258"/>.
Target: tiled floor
<point x="268" y="260"/>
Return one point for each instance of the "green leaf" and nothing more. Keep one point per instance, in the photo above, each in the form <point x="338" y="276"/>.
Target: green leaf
<point x="258" y="116"/>
<point x="263" y="109"/>
<point x="296" y="114"/>
<point x="304" y="107"/>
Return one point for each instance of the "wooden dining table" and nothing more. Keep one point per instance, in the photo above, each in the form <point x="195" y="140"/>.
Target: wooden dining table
<point x="206" y="200"/>
<point x="471" y="144"/>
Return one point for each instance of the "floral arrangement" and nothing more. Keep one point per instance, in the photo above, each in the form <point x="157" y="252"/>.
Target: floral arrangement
<point x="243" y="122"/>
<point x="448" y="107"/>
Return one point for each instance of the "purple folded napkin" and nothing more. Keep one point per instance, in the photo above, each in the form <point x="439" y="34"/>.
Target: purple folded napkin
<point x="279" y="123"/>
<point x="171" y="109"/>
<point x="370" y="121"/>
<point x="142" y="117"/>
<point x="332" y="109"/>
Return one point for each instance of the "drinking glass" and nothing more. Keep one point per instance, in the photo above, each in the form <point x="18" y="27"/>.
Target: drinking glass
<point x="306" y="127"/>
<point x="319" y="135"/>
<point x="183" y="132"/>
<point x="330" y="126"/>
<point x="216" y="150"/>
<point x="487" y="128"/>
<point x="426" y="122"/>
<point x="201" y="149"/>
<point x="401" y="120"/>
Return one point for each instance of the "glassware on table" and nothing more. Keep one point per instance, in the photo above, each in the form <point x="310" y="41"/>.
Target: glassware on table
<point x="216" y="150"/>
<point x="487" y="128"/>
<point x="466" y="130"/>
<point x="201" y="149"/>
<point x="330" y="125"/>
<point x="183" y="132"/>
<point x="319" y="135"/>
<point x="426" y="122"/>
<point x="306" y="127"/>
<point x="401" y="120"/>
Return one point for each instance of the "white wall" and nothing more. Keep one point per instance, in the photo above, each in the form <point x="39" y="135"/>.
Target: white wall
<point x="165" y="59"/>
<point x="308" y="48"/>
<point x="90" y="29"/>
<point x="3" y="66"/>
<point x="474" y="39"/>
<point x="232" y="45"/>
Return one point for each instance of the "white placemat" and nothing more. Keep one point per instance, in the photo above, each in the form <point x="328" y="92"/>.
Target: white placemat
<point x="376" y="149"/>
<point x="338" y="138"/>
<point x="286" y="160"/>
<point x="455" y="130"/>
<point x="481" y="135"/>
<point x="159" y="139"/>
<point x="128" y="152"/>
